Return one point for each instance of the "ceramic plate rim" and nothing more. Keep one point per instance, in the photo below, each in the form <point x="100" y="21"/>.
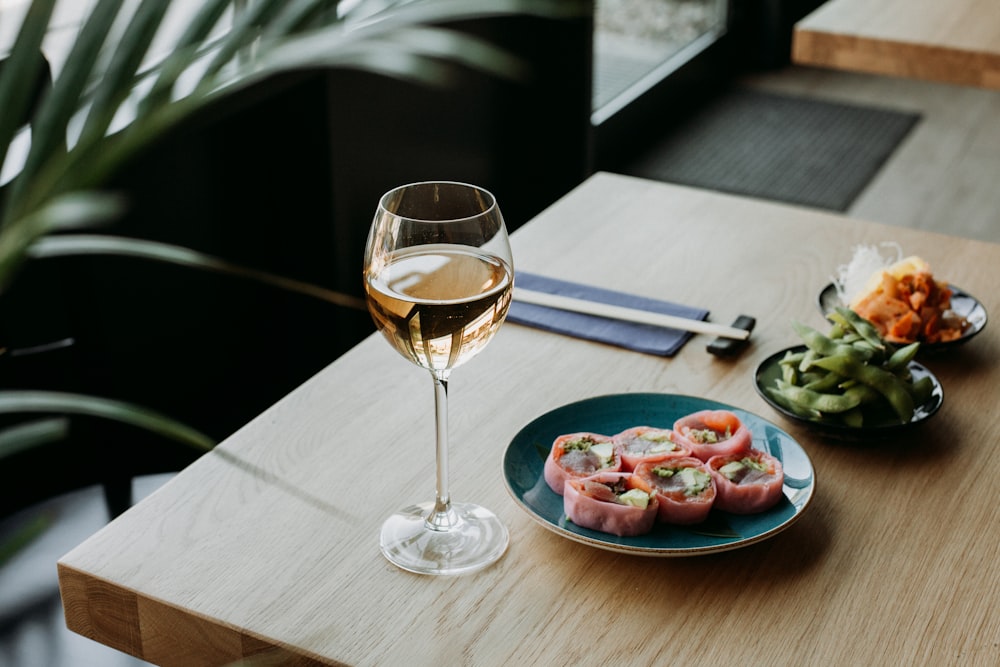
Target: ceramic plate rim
<point x="849" y="432"/>
<point x="978" y="312"/>
<point x="802" y="494"/>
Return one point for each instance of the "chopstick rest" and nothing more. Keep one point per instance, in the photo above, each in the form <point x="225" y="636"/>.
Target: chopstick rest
<point x="727" y="347"/>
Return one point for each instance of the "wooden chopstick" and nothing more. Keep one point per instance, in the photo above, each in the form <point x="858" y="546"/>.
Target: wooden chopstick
<point x="627" y="314"/>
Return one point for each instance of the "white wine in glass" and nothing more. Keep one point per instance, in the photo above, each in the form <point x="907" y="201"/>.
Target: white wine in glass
<point x="438" y="281"/>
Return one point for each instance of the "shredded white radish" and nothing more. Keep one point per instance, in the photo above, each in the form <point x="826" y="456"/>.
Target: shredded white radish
<point x="852" y="278"/>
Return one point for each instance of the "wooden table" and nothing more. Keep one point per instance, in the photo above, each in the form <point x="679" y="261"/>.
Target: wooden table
<point x="950" y="42"/>
<point x="272" y="539"/>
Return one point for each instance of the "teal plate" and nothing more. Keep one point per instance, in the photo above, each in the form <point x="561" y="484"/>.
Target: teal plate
<point x="525" y="457"/>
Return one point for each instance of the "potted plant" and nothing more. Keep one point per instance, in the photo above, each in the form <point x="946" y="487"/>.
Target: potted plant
<point x="108" y="103"/>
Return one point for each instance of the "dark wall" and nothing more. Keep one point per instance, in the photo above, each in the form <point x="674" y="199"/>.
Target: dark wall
<point x="526" y="140"/>
<point x="765" y="28"/>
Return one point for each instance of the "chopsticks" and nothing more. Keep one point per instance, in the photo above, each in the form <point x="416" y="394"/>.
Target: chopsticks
<point x="627" y="314"/>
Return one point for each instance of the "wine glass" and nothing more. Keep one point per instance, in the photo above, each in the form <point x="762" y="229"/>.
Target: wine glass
<point x="438" y="280"/>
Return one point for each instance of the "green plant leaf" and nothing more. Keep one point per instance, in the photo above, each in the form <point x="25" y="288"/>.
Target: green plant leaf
<point x="22" y="437"/>
<point x="20" y="70"/>
<point x="91" y="244"/>
<point x="392" y="40"/>
<point x="187" y="49"/>
<point x="245" y="28"/>
<point x="56" y="188"/>
<point x="116" y="81"/>
<point x="29" y="401"/>
<point x="49" y="127"/>
<point x="66" y="212"/>
<point x="299" y="15"/>
<point x="425" y="12"/>
<point x="424" y="54"/>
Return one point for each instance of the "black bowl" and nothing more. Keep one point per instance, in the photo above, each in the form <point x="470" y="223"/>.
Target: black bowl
<point x="769" y="370"/>
<point x="963" y="304"/>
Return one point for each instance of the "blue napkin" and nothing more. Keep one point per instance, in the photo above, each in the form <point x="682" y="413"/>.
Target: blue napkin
<point x="640" y="337"/>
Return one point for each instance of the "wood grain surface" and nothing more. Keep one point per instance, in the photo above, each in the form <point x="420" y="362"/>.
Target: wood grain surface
<point x="272" y="539"/>
<point x="951" y="42"/>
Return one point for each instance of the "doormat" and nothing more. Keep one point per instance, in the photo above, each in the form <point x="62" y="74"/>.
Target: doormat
<point x="792" y="149"/>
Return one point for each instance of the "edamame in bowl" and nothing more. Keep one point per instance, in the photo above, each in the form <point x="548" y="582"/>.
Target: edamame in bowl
<point x="880" y="421"/>
<point x="850" y="382"/>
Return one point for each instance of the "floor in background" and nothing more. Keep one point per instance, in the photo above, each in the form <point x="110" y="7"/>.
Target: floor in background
<point x="33" y="629"/>
<point x="789" y="148"/>
<point x="943" y="176"/>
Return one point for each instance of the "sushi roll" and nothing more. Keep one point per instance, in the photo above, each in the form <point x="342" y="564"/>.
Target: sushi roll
<point x="577" y="455"/>
<point x="644" y="442"/>
<point x="709" y="433"/>
<point x="748" y="482"/>
<point x="683" y="486"/>
<point x="612" y="502"/>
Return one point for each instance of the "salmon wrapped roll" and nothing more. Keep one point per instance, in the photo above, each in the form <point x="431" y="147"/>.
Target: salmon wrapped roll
<point x="612" y="502"/>
<point x="645" y="442"/>
<point x="709" y="433"/>
<point x="578" y="455"/>
<point x="747" y="483"/>
<point x="683" y="486"/>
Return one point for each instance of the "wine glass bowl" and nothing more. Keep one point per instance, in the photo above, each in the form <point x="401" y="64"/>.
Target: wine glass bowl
<point x="438" y="282"/>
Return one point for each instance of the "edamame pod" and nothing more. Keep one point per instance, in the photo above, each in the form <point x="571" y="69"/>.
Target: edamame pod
<point x="829" y="382"/>
<point x="788" y="404"/>
<point x="877" y="378"/>
<point x="850" y="376"/>
<point x="902" y="357"/>
<point x="864" y="328"/>
<point x="820" y="345"/>
<point x="819" y="401"/>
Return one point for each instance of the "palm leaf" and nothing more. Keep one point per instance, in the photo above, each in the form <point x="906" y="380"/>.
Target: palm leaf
<point x="245" y="28"/>
<point x="189" y="45"/>
<point x="393" y="42"/>
<point x="299" y="15"/>
<point x="19" y="438"/>
<point x="55" y="402"/>
<point x="116" y="81"/>
<point x="19" y="74"/>
<point x="56" y="187"/>
<point x="65" y="212"/>
<point x="64" y="245"/>
<point x="50" y="125"/>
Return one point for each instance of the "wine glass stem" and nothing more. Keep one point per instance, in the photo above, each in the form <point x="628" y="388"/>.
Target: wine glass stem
<point x="442" y="517"/>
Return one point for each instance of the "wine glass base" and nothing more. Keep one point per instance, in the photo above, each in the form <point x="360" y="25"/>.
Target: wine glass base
<point x="475" y="539"/>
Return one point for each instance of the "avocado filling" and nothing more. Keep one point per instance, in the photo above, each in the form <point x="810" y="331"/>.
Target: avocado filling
<point x="737" y="471"/>
<point x="626" y="496"/>
<point x="635" y="498"/>
<point x="708" y="436"/>
<point x="694" y="481"/>
<point x="658" y="442"/>
<point x="585" y="449"/>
